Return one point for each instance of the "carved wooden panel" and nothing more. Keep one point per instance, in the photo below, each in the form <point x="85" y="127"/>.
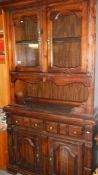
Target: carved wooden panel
<point x="64" y="158"/>
<point x="49" y="90"/>
<point x="73" y="92"/>
<point x="27" y="151"/>
<point x="10" y="145"/>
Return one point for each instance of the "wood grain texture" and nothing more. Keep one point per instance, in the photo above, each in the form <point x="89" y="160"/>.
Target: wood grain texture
<point x="4" y="77"/>
<point x="70" y="151"/>
<point x="3" y="150"/>
<point x="73" y="92"/>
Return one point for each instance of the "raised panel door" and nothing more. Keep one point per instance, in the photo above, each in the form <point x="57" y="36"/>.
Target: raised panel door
<point x="65" y="158"/>
<point x="27" y="151"/>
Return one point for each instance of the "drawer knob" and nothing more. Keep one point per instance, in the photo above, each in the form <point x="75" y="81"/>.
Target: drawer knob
<point x="37" y="155"/>
<point x="50" y="159"/>
<point x="35" y="124"/>
<point x="16" y="121"/>
<point x="88" y="132"/>
<point x="75" y="132"/>
<point x="51" y="128"/>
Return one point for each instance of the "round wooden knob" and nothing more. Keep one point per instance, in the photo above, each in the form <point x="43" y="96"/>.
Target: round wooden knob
<point x="37" y="155"/>
<point x="35" y="124"/>
<point x="51" y="128"/>
<point x="16" y="121"/>
<point x="88" y="132"/>
<point x="50" y="158"/>
<point x="75" y="132"/>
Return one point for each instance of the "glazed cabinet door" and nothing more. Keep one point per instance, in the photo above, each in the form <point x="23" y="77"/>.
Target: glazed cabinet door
<point x="67" y="32"/>
<point x="26" y="149"/>
<point x="65" y="158"/>
<point x="27" y="40"/>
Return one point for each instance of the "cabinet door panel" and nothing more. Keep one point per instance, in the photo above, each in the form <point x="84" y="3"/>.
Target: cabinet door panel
<point x="27" y="151"/>
<point x="28" y="43"/>
<point x="65" y="158"/>
<point x="66" y="49"/>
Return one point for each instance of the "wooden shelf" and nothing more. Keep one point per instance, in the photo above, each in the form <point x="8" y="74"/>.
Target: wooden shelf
<point x="66" y="40"/>
<point x="25" y="42"/>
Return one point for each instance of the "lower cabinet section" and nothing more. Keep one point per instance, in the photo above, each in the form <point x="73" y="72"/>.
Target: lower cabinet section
<point x="39" y="154"/>
<point x="39" y="146"/>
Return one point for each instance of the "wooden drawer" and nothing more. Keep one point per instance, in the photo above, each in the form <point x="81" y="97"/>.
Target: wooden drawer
<point x="18" y="120"/>
<point x="36" y="123"/>
<point x="21" y="121"/>
<point x="64" y="129"/>
<point x="51" y="127"/>
<point x="75" y="131"/>
<point x="26" y="122"/>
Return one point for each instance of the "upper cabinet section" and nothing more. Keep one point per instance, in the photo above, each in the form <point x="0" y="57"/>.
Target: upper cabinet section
<point x="50" y="37"/>
<point x="28" y="41"/>
<point x="67" y="37"/>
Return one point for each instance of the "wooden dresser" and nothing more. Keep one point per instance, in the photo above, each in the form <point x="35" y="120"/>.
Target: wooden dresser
<point x="52" y="122"/>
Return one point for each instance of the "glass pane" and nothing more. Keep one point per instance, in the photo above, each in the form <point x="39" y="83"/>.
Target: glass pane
<point x="66" y="55"/>
<point x="66" y="26"/>
<point x="26" y="37"/>
<point x="66" y="40"/>
<point x="26" y="55"/>
<point x="26" y="28"/>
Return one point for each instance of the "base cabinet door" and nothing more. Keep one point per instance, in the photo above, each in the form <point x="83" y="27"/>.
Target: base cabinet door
<point x="32" y="153"/>
<point x="26" y="150"/>
<point x="65" y="158"/>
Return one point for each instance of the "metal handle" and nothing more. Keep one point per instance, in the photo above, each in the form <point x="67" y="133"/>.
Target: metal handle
<point x="37" y="155"/>
<point x="51" y="159"/>
<point x="39" y="38"/>
<point x="35" y="124"/>
<point x="48" y="42"/>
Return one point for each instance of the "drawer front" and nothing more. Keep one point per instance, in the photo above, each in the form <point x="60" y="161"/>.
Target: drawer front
<point x="75" y="131"/>
<point x="26" y="122"/>
<point x="51" y="127"/>
<point x="18" y="120"/>
<point x="21" y="121"/>
<point x="64" y="129"/>
<point x="36" y="123"/>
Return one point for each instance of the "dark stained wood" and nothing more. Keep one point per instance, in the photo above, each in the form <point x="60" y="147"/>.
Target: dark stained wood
<point x="75" y="11"/>
<point x="52" y="147"/>
<point x="63" y="157"/>
<point x="57" y="20"/>
<point x="52" y="126"/>
<point x="59" y="79"/>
